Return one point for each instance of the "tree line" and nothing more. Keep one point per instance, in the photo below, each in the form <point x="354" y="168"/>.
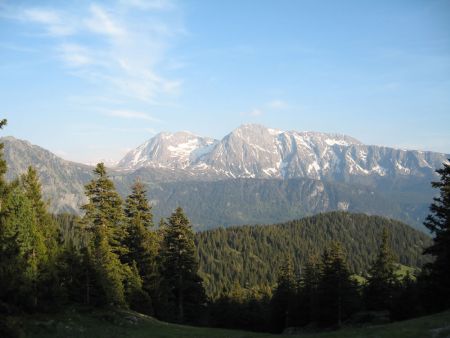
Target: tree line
<point x="115" y="256"/>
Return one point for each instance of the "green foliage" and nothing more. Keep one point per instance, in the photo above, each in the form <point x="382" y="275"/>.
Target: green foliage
<point x="142" y="243"/>
<point x="179" y="269"/>
<point x="104" y="221"/>
<point x="252" y="255"/>
<point x="337" y="292"/>
<point x="437" y="273"/>
<point x="22" y="249"/>
<point x="283" y="299"/>
<point x="104" y="210"/>
<point x="382" y="279"/>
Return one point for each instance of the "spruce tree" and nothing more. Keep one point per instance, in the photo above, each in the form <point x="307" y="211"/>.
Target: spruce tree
<point x="3" y="169"/>
<point x="381" y="282"/>
<point x="437" y="273"/>
<point x="308" y="291"/>
<point x="104" y="222"/>
<point x="49" y="284"/>
<point x="283" y="299"/>
<point x="337" y="292"/>
<point x="179" y="269"/>
<point x="105" y="210"/>
<point x="141" y="242"/>
<point x="22" y="250"/>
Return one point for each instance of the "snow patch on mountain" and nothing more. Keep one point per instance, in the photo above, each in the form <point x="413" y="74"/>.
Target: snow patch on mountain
<point x="254" y="151"/>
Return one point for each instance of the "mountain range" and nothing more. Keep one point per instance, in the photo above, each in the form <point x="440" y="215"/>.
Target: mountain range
<point x="252" y="175"/>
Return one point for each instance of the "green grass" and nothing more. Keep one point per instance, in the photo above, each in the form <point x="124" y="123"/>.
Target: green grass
<point x="401" y="272"/>
<point x="97" y="323"/>
<point x="106" y="323"/>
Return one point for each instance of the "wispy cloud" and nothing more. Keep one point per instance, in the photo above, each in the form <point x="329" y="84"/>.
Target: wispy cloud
<point x="149" y="4"/>
<point x="255" y="112"/>
<point x="75" y="55"/>
<point x="53" y="21"/>
<point x="101" y="22"/>
<point x="278" y="104"/>
<point x="120" y="51"/>
<point x="127" y="114"/>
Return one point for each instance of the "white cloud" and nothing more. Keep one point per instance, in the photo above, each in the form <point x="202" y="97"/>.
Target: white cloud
<point x="52" y="21"/>
<point x="74" y="55"/>
<point x="101" y="22"/>
<point x="128" y="114"/>
<point x="112" y="49"/>
<point x="278" y="104"/>
<point x="256" y="112"/>
<point x="149" y="4"/>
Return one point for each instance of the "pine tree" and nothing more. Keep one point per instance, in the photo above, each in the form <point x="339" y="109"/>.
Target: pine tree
<point x="22" y="247"/>
<point x="3" y="169"/>
<point x="283" y="300"/>
<point x="105" y="210"/>
<point x="381" y="282"/>
<point x="109" y="271"/>
<point x="141" y="242"/>
<point x="437" y="273"/>
<point x="308" y="291"/>
<point x="337" y="292"/>
<point x="49" y="284"/>
<point x="22" y="250"/>
<point x="179" y="269"/>
<point x="104" y="221"/>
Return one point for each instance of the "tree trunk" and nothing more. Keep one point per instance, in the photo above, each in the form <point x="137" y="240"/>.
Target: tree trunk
<point x="88" y="291"/>
<point x="180" y="299"/>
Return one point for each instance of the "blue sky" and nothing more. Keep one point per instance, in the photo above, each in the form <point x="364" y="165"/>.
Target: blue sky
<point x="90" y="80"/>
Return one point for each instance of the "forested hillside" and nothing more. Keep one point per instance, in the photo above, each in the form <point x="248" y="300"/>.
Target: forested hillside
<point x="252" y="255"/>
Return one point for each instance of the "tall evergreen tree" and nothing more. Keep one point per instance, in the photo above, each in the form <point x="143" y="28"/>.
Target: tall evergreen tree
<point x="49" y="285"/>
<point x="179" y="269"/>
<point x="22" y="250"/>
<point x="3" y="169"/>
<point x="381" y="282"/>
<point x="141" y="242"/>
<point x="337" y="291"/>
<point x="307" y="300"/>
<point x="105" y="209"/>
<point x="438" y="222"/>
<point x="104" y="221"/>
<point x="283" y="299"/>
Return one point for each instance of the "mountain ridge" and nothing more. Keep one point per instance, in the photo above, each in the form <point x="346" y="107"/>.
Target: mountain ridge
<point x="254" y="151"/>
<point x="238" y="162"/>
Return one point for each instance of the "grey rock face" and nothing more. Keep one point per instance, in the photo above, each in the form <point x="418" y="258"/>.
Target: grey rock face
<point x="165" y="150"/>
<point x="251" y="175"/>
<point x="253" y="151"/>
<point x="62" y="181"/>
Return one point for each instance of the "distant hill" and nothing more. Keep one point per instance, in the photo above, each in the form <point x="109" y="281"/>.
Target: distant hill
<point x="252" y="255"/>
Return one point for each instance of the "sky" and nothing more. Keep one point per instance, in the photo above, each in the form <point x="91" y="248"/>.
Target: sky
<point x="90" y="80"/>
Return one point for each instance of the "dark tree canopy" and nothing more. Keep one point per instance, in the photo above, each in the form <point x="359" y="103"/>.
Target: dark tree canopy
<point x="438" y="222"/>
<point x="179" y="267"/>
<point x="382" y="280"/>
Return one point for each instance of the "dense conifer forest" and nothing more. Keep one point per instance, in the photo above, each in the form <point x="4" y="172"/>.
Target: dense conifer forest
<point x="253" y="255"/>
<point x="294" y="276"/>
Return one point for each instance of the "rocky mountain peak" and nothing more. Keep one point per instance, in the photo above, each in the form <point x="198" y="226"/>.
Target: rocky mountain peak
<point x="168" y="150"/>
